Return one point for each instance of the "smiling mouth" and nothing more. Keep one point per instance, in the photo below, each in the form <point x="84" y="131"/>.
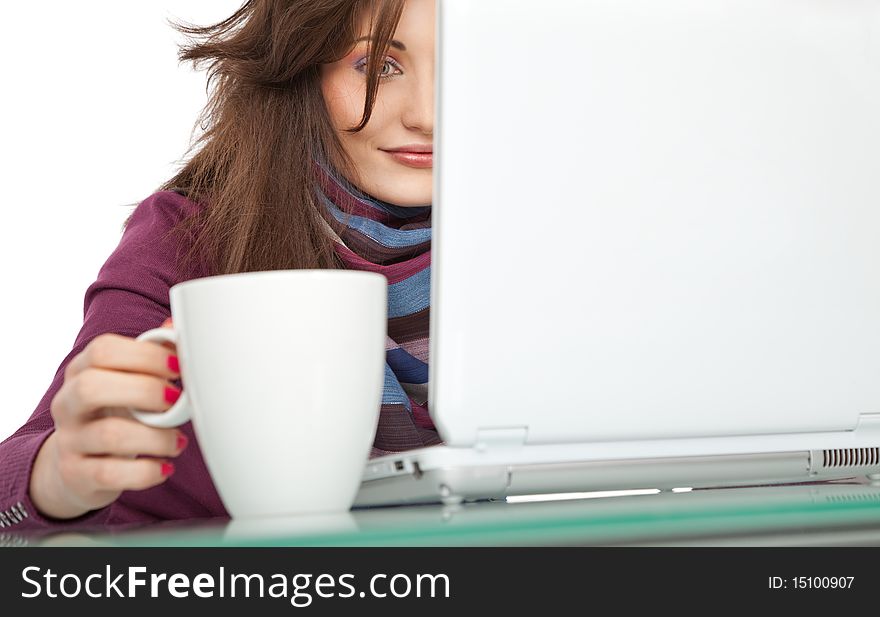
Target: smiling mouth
<point x="418" y="160"/>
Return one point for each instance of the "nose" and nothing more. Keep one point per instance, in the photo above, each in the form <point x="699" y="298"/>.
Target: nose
<point x="419" y="112"/>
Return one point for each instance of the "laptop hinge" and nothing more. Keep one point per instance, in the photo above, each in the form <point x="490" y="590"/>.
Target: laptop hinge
<point x="867" y="420"/>
<point x="501" y="437"/>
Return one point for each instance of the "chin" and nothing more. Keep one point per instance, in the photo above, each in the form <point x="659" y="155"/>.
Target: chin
<point x="409" y="203"/>
<point x="407" y="197"/>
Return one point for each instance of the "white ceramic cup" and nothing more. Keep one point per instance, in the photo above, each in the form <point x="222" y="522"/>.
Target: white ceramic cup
<point x="282" y="374"/>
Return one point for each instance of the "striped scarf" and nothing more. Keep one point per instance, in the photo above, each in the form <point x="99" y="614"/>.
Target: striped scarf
<point x="376" y="236"/>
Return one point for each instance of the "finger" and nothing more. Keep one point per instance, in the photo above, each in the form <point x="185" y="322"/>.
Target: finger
<point x="121" y="353"/>
<point x="120" y="474"/>
<point x="126" y="437"/>
<point x="169" y="323"/>
<point x="94" y="389"/>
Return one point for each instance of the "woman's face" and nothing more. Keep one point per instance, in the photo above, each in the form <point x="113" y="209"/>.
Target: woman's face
<point x="403" y="117"/>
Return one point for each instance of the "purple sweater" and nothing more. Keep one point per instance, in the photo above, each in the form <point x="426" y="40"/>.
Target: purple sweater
<point x="129" y="297"/>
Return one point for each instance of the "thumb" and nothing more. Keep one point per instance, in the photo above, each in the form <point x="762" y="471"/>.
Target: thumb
<point x="168" y="323"/>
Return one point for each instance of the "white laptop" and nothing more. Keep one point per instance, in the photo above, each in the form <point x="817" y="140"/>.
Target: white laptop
<point x="656" y="252"/>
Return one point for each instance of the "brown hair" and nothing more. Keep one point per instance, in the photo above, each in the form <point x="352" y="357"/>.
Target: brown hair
<point x="251" y="168"/>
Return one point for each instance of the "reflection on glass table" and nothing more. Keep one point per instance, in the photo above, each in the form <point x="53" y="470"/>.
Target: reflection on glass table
<point x="833" y="513"/>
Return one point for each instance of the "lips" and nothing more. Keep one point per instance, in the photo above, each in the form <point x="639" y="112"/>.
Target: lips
<point x="417" y="156"/>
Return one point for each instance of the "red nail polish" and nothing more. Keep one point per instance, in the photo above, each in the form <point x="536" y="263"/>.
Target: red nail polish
<point x="167" y="469"/>
<point x="172" y="394"/>
<point x="174" y="364"/>
<point x="181" y="441"/>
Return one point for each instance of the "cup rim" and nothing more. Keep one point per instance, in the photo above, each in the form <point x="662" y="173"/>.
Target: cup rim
<point x="308" y="274"/>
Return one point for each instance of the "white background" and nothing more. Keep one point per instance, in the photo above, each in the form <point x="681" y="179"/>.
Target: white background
<point x="95" y="113"/>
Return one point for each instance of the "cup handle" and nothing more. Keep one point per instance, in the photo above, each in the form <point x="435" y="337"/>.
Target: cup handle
<point x="179" y="413"/>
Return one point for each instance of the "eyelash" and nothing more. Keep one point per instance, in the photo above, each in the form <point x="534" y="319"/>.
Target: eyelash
<point x="362" y="63"/>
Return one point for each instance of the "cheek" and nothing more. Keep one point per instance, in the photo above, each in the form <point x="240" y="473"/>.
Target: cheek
<point x="355" y="147"/>
<point x="344" y="95"/>
<point x="341" y="108"/>
<point x="344" y="98"/>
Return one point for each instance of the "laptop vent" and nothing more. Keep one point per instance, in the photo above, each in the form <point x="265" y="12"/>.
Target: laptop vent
<point x="851" y="457"/>
<point x="867" y="497"/>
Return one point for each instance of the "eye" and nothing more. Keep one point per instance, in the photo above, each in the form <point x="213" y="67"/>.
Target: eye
<point x="388" y="67"/>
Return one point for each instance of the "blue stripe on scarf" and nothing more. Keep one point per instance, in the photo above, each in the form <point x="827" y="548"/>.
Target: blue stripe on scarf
<point x="392" y="392"/>
<point x="406" y="297"/>
<point x="410" y="295"/>
<point x="382" y="234"/>
<point x="407" y="368"/>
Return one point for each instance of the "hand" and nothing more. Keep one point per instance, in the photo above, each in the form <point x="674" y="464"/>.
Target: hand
<point x="93" y="454"/>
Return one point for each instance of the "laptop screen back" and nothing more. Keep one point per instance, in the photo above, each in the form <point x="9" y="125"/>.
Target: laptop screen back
<point x="656" y="219"/>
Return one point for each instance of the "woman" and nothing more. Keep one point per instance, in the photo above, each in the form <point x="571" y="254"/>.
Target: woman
<point x="316" y="153"/>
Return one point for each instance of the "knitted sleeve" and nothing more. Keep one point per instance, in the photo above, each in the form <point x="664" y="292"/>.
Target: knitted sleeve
<point x="129" y="297"/>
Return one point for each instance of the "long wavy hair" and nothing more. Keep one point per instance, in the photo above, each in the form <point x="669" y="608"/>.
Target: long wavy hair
<point x="251" y="163"/>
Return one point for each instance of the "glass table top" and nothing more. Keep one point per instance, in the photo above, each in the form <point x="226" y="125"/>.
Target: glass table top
<point x="833" y="513"/>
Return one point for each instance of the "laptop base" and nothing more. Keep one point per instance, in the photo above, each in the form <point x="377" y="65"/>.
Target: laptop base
<point x="452" y="484"/>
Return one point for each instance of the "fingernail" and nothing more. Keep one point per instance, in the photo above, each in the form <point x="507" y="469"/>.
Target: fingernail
<point x="167" y="469"/>
<point x="174" y="364"/>
<point x="181" y="441"/>
<point x="172" y="394"/>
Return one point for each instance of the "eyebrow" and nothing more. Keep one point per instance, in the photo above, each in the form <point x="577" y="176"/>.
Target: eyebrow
<point x="395" y="43"/>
